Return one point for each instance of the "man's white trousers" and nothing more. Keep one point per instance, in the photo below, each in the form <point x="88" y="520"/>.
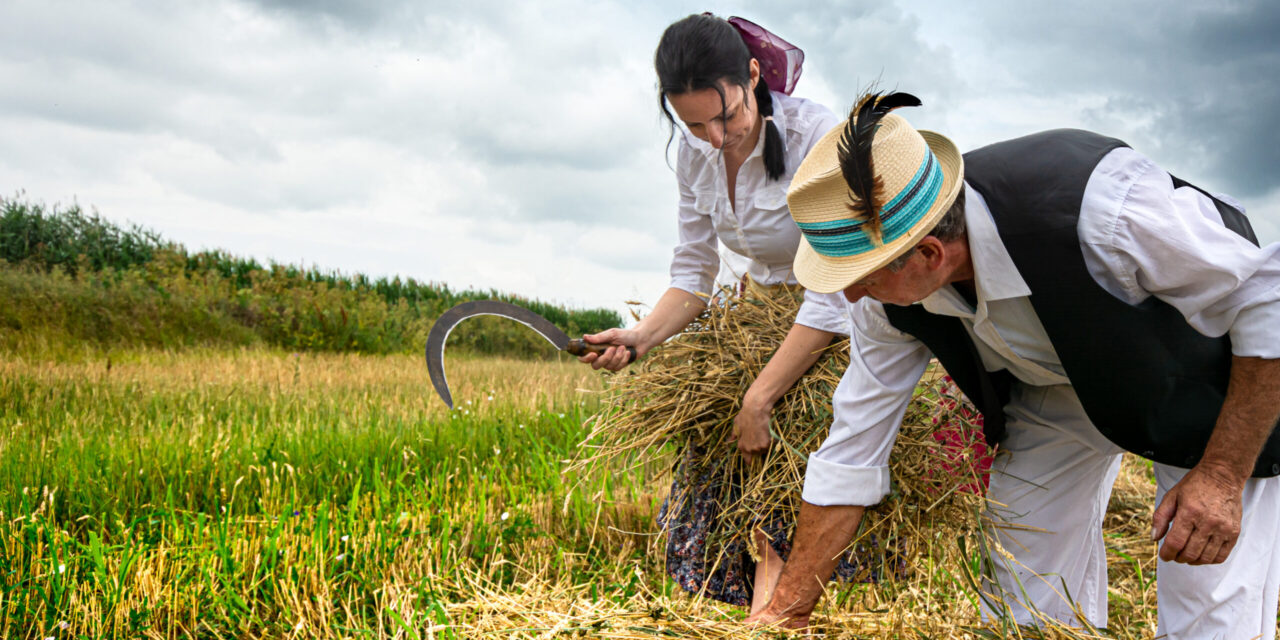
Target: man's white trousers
<point x="1049" y="493"/>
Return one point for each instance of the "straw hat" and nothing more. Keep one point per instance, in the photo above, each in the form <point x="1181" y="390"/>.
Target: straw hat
<point x="921" y="173"/>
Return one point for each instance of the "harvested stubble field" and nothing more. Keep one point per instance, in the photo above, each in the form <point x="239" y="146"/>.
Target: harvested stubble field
<point x="259" y="494"/>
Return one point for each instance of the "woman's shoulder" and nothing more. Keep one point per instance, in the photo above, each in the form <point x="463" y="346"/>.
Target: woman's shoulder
<point x="695" y="161"/>
<point x="804" y="115"/>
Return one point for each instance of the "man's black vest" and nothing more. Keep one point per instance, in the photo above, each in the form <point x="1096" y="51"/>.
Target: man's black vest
<point x="1148" y="381"/>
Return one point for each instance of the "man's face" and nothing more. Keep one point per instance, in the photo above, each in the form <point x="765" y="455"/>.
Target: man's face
<point x="910" y="284"/>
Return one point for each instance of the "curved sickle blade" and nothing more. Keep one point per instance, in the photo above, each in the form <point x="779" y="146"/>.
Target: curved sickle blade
<point x="449" y="319"/>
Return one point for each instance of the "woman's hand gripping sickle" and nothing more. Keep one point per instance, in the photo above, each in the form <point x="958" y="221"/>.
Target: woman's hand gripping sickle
<point x="622" y="347"/>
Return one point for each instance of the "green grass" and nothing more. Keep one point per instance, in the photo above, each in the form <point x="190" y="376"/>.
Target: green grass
<point x="255" y="493"/>
<point x="236" y="495"/>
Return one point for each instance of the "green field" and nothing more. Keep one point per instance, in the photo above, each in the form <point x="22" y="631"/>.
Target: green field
<point x="193" y="445"/>
<point x="253" y="493"/>
<point x="264" y="494"/>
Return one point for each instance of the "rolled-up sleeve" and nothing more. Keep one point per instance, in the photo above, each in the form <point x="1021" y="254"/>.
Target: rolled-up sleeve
<point x="825" y="312"/>
<point x="695" y="260"/>
<point x="1142" y="237"/>
<point x="852" y="465"/>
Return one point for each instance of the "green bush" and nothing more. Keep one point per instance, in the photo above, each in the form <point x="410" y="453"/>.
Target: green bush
<point x="68" y="238"/>
<point x="73" y="279"/>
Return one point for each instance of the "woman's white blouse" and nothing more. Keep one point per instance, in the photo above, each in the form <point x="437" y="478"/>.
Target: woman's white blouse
<point x="760" y="228"/>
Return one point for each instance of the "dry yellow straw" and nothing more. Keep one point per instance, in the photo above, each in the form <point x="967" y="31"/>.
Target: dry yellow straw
<point x="928" y="532"/>
<point x="685" y="395"/>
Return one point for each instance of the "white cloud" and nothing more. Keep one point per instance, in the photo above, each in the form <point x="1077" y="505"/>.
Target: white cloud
<point x="519" y="146"/>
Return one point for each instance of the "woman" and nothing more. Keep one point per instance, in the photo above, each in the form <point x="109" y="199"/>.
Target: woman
<point x="728" y="83"/>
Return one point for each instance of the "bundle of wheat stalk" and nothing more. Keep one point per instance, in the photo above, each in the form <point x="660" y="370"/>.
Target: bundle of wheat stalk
<point x="927" y="534"/>
<point x="684" y="397"/>
<point x="937" y="600"/>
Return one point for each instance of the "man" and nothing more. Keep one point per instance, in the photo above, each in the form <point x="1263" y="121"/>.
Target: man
<point x="1088" y="303"/>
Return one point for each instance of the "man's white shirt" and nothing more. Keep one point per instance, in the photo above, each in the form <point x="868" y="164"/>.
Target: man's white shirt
<point x="1140" y="237"/>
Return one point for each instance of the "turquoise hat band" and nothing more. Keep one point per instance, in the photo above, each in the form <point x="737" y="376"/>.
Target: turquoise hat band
<point x="843" y="238"/>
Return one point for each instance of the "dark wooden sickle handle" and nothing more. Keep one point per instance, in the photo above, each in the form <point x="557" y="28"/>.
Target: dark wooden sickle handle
<point x="579" y="347"/>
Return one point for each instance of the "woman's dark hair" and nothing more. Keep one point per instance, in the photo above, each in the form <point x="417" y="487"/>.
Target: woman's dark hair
<point x="698" y="52"/>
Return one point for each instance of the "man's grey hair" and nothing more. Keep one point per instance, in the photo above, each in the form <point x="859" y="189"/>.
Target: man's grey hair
<point x="950" y="227"/>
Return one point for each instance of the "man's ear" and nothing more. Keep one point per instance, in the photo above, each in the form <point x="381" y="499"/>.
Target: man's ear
<point x="933" y="251"/>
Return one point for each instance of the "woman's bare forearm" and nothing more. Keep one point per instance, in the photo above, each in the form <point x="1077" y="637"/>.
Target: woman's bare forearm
<point x="674" y="311"/>
<point x="799" y="350"/>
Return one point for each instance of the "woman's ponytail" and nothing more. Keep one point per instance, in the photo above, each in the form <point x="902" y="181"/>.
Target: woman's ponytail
<point x="775" y="156"/>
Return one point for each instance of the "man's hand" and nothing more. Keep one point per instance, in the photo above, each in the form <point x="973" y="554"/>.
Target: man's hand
<point x="821" y="534"/>
<point x="751" y="429"/>
<point x="1199" y="518"/>
<point x="768" y="617"/>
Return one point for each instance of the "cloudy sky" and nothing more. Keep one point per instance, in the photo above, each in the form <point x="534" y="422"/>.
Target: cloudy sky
<point x="518" y="145"/>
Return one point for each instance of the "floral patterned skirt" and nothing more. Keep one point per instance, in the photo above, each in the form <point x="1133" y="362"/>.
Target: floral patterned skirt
<point x="704" y="557"/>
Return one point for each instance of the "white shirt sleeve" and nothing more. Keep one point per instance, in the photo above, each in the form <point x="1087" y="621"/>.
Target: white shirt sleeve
<point x="1141" y="237"/>
<point x="695" y="260"/>
<point x="825" y="312"/>
<point x="824" y="121"/>
<point x="852" y="465"/>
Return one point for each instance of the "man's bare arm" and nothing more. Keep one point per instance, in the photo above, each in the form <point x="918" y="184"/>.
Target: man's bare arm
<point x="822" y="533"/>
<point x="1201" y="514"/>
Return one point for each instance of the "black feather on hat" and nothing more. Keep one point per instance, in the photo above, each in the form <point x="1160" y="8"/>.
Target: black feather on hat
<point x="854" y="153"/>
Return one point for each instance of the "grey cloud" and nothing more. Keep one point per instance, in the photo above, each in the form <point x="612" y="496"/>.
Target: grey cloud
<point x="853" y="45"/>
<point x="1193" y="85"/>
<point x="336" y="16"/>
<point x="633" y="196"/>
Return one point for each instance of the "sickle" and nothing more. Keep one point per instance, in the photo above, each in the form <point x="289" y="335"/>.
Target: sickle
<point x="449" y="319"/>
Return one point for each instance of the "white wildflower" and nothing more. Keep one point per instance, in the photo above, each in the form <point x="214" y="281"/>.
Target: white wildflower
<point x="345" y="538"/>
<point x="505" y="515"/>
<point x="62" y="568"/>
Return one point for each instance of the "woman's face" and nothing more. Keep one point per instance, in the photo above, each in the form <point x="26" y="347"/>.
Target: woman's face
<point x="731" y="125"/>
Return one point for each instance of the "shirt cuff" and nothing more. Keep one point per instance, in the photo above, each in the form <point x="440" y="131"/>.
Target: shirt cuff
<point x="1253" y="332"/>
<point x="829" y="483"/>
<point x="823" y="317"/>
<point x="693" y="285"/>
